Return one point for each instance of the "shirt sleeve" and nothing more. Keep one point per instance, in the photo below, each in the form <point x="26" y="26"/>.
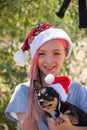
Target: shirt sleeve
<point x="78" y="95"/>
<point x="17" y="102"/>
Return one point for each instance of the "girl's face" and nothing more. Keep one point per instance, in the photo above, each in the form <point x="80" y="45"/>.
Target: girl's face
<point x="51" y="56"/>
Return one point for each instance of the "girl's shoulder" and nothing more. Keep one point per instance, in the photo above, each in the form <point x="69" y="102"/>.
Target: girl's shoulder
<point x="22" y="88"/>
<point x="18" y="101"/>
<point x="78" y="95"/>
<point x="77" y="87"/>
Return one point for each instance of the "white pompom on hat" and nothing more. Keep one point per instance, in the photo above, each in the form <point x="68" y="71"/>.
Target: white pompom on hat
<point x="49" y="78"/>
<point x="59" y="84"/>
<point x="20" y="58"/>
<point x="37" y="37"/>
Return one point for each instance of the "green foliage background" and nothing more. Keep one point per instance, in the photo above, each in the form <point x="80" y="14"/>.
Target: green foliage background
<point x="16" y="20"/>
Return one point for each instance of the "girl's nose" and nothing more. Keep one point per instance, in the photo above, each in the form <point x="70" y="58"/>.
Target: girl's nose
<point x="49" y="59"/>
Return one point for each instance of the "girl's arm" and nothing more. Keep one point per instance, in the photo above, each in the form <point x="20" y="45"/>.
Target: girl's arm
<point x="66" y="125"/>
<point x="27" y="124"/>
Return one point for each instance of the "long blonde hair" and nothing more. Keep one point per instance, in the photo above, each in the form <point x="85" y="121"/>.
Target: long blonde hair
<point x="33" y="109"/>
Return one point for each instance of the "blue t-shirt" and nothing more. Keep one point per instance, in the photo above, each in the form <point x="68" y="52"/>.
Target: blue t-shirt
<point x="77" y="95"/>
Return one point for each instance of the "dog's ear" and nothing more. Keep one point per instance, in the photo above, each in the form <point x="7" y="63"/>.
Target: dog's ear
<point x="37" y="85"/>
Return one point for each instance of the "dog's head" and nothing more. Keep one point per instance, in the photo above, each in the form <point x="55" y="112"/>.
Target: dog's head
<point x="45" y="94"/>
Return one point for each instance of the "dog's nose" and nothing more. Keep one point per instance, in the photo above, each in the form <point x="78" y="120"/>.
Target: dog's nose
<point x="41" y="102"/>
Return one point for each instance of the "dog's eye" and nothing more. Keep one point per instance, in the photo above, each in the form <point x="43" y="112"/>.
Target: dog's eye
<point x="50" y="98"/>
<point x="46" y="94"/>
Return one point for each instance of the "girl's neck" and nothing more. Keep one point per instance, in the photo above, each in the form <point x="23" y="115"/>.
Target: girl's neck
<point x="41" y="79"/>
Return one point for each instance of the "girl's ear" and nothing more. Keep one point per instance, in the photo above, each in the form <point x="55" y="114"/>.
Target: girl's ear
<point x="37" y="85"/>
<point x="66" y="52"/>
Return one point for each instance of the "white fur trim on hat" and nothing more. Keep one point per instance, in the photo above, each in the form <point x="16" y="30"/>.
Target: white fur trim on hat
<point x="60" y="90"/>
<point x="47" y="35"/>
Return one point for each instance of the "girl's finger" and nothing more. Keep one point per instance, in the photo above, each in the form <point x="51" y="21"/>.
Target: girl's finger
<point x="65" y="118"/>
<point x="51" y="121"/>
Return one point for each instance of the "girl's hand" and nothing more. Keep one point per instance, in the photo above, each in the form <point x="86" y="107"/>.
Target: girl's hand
<point x="66" y="125"/>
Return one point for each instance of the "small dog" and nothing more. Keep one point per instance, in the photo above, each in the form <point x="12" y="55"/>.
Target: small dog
<point x="47" y="94"/>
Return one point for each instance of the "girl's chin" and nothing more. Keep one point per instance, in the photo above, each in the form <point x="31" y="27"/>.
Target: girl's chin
<point x="45" y="73"/>
<point x="49" y="73"/>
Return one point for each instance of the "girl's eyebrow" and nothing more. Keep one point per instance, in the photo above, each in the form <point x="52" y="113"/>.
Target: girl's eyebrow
<point x="41" y="50"/>
<point x="52" y="50"/>
<point x="56" y="50"/>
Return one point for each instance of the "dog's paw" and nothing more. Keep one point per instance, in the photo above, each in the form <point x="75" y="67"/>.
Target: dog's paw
<point x="74" y="119"/>
<point x="59" y="121"/>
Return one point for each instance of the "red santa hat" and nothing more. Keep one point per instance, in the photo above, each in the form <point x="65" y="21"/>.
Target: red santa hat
<point x="37" y="37"/>
<point x="59" y="84"/>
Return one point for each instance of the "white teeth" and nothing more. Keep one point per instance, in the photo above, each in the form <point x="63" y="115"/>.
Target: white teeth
<point x="49" y="67"/>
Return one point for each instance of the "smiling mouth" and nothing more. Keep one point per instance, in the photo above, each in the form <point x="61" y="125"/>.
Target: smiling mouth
<point x="49" y="68"/>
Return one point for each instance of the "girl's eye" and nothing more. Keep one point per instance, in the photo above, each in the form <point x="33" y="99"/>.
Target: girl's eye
<point x="57" y="53"/>
<point x="41" y="53"/>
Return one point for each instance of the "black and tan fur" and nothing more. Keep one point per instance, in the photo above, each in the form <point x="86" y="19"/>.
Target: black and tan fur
<point x="47" y="94"/>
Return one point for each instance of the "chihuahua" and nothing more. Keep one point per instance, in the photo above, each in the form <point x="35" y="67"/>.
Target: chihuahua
<point x="47" y="96"/>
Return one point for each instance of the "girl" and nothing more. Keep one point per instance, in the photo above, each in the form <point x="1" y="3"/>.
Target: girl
<point x="49" y="47"/>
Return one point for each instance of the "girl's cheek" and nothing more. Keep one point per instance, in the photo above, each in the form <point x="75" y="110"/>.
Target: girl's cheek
<point x="41" y="56"/>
